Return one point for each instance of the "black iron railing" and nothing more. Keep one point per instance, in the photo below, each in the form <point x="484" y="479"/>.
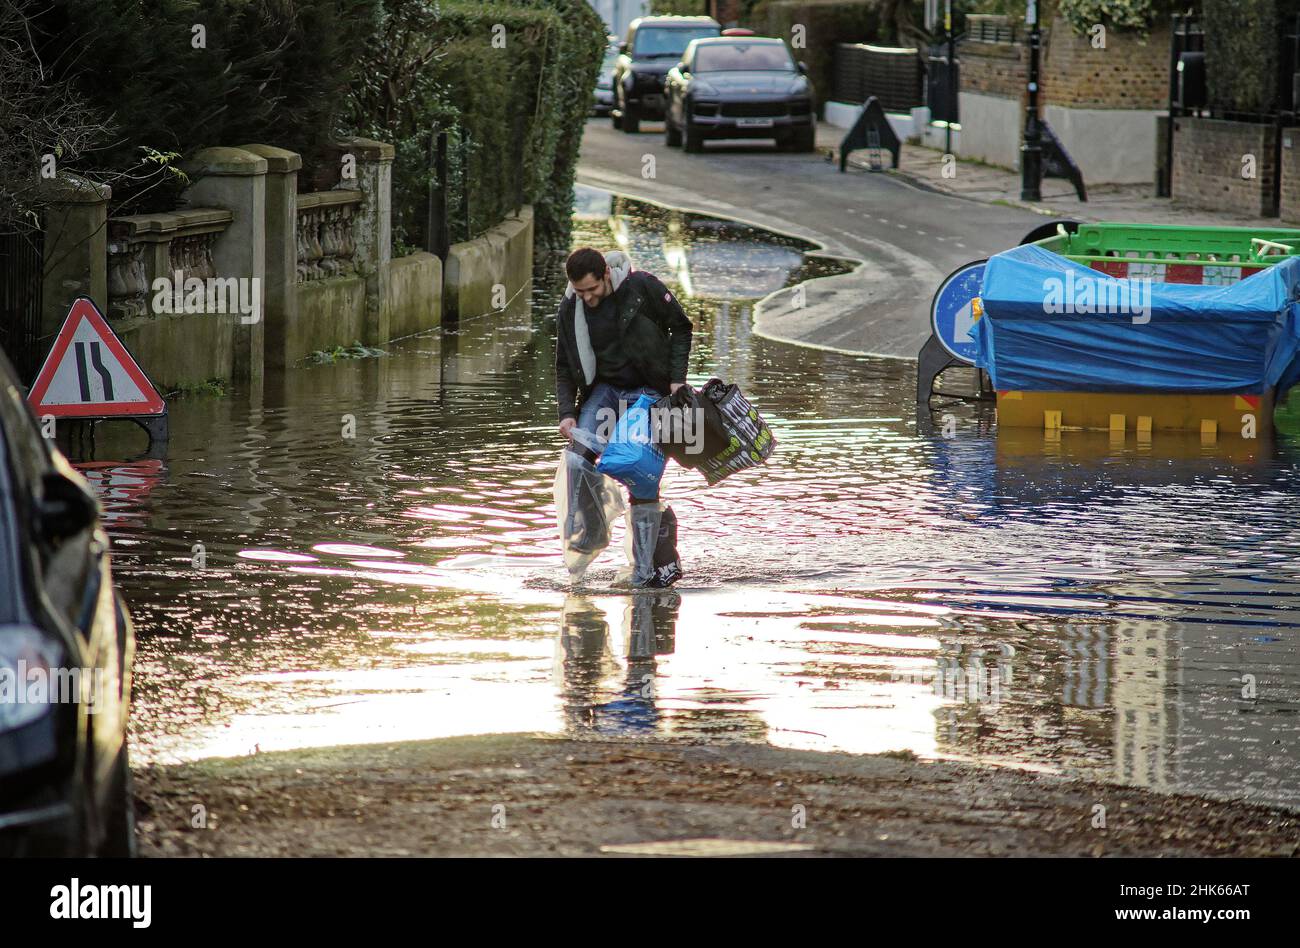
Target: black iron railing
<point x="21" y="279"/>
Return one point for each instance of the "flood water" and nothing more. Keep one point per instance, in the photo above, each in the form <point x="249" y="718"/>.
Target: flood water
<point x="1120" y="611"/>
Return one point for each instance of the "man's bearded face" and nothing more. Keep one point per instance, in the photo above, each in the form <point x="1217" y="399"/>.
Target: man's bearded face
<point x="593" y="289"/>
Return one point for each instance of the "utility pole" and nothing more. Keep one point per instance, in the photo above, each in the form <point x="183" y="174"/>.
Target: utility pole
<point x="1031" y="152"/>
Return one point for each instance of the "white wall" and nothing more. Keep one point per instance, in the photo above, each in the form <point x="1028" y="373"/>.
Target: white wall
<point x="990" y="128"/>
<point x="1110" y="146"/>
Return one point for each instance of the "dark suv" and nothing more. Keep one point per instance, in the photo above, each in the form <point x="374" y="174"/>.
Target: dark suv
<point x="654" y="45"/>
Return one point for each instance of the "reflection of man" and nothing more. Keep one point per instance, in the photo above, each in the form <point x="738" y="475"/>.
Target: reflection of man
<point x="593" y="699"/>
<point x="619" y="334"/>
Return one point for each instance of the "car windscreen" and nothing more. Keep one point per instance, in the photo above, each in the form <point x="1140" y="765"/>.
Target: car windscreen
<point x="655" y="41"/>
<point x="734" y="57"/>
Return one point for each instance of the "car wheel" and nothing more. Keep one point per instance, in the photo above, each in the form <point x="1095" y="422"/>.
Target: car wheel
<point x="119" y="819"/>
<point x="804" y="140"/>
<point x="631" y="122"/>
<point x="672" y="134"/>
<point x="693" y="137"/>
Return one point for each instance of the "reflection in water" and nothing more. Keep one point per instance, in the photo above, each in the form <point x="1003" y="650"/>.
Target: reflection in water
<point x="1117" y="610"/>
<point x="603" y="693"/>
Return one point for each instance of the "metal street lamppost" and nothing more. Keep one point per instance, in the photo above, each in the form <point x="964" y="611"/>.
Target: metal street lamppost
<point x="1031" y="152"/>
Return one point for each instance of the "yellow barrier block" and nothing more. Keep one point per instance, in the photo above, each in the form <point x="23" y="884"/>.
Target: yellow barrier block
<point x="1144" y="425"/>
<point x="1118" y="423"/>
<point x="1168" y="411"/>
<point x="1209" y="429"/>
<point x="1052" y="420"/>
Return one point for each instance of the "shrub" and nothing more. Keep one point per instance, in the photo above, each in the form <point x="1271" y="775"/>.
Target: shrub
<point x="1131" y="16"/>
<point x="1241" y="52"/>
<point x="301" y="73"/>
<point x="679" y="7"/>
<point x="514" y="114"/>
<point x="181" y="75"/>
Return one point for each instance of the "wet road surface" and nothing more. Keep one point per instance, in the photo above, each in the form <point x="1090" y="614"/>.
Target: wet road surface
<point x="1115" y="611"/>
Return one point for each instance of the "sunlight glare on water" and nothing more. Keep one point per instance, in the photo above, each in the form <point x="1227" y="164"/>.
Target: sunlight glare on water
<point x="1073" y="605"/>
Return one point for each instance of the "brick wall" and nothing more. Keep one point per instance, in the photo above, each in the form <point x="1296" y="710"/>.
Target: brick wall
<point x="1208" y="165"/>
<point x="993" y="68"/>
<point x="1127" y="74"/>
<point x="1290" y="204"/>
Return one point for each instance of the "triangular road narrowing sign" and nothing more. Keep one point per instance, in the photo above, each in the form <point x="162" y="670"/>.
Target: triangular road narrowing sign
<point x="90" y="374"/>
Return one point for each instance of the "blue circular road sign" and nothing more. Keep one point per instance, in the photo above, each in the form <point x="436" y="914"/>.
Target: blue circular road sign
<point x="950" y="313"/>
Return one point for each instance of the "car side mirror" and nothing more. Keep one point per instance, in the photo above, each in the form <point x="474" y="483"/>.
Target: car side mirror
<point x="803" y="70"/>
<point x="681" y="67"/>
<point x="622" y="49"/>
<point x="65" y="509"/>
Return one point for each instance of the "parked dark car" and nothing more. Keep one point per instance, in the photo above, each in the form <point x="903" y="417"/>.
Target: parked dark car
<point x="654" y="45"/>
<point x="739" y="87"/>
<point x="604" y="100"/>
<point x="65" y="781"/>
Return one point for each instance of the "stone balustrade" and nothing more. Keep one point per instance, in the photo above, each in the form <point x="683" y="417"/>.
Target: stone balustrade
<point x="144" y="247"/>
<point x="310" y="270"/>
<point x="326" y="242"/>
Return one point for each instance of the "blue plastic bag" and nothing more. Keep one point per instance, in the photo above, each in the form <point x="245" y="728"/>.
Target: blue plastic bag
<point x="630" y="457"/>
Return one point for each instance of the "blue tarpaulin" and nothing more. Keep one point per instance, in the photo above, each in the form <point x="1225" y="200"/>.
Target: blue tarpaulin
<point x="1051" y="324"/>
<point x="631" y="456"/>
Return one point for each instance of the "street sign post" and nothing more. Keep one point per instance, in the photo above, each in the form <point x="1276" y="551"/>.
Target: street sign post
<point x="90" y="376"/>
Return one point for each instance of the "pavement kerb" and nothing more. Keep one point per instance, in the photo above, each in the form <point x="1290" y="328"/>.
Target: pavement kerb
<point x="812" y="287"/>
<point x="923" y="183"/>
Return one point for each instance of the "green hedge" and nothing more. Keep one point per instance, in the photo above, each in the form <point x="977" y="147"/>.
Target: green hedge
<point x="514" y="112"/>
<point x="258" y="71"/>
<point x="301" y="73"/>
<point x="679" y="7"/>
<point x="827" y="23"/>
<point x="1241" y="50"/>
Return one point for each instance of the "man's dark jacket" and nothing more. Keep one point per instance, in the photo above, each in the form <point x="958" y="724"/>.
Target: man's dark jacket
<point x="655" y="334"/>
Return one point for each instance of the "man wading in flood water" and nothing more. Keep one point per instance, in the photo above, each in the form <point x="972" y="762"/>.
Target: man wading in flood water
<point x="633" y="338"/>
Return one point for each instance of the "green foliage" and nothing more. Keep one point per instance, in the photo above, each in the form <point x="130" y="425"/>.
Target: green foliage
<point x="300" y="74"/>
<point x="514" y="113"/>
<point x="1241" y="50"/>
<point x="213" y="387"/>
<point x="181" y="75"/>
<point x="339" y="353"/>
<point x="679" y="7"/>
<point x="1126" y="16"/>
